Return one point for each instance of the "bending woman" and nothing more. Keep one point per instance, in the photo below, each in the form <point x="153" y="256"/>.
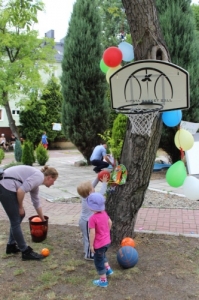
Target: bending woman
<point x="15" y="183"/>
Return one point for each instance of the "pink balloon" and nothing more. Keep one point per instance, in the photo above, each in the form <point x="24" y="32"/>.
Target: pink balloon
<point x="112" y="57"/>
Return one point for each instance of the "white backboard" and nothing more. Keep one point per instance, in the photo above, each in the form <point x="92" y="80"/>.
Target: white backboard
<point x="151" y="81"/>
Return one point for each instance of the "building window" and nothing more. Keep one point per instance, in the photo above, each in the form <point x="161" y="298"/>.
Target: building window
<point x="0" y="114"/>
<point x="15" y="111"/>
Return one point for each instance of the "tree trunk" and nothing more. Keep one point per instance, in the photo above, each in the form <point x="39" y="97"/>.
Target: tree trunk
<point x="138" y="152"/>
<point x="11" y="121"/>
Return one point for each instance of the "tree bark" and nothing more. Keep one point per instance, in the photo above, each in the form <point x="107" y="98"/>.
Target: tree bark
<point x="138" y="152"/>
<point x="11" y="121"/>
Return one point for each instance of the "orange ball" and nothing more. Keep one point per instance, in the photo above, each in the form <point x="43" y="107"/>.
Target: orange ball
<point x="128" y="242"/>
<point x="45" y="252"/>
<point x="36" y="219"/>
<point x="37" y="232"/>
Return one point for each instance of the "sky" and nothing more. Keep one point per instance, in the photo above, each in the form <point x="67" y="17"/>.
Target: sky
<point x="57" y="16"/>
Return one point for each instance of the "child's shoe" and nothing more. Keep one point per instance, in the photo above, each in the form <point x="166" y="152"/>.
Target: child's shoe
<point x="109" y="272"/>
<point x="98" y="282"/>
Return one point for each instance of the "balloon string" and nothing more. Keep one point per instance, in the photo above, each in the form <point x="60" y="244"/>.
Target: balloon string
<point x="181" y="153"/>
<point x="181" y="150"/>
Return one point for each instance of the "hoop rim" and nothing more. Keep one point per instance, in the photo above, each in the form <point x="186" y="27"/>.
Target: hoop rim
<point x="130" y="109"/>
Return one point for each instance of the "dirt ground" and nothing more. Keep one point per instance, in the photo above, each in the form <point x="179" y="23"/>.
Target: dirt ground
<point x="159" y="174"/>
<point x="167" y="269"/>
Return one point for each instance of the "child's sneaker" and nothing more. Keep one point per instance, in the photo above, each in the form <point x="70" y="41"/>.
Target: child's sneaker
<point x="100" y="283"/>
<point x="109" y="272"/>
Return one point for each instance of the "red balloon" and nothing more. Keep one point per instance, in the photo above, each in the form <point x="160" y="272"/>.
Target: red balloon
<point x="112" y="57"/>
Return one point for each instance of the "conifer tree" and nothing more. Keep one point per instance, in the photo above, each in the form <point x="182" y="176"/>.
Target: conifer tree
<point x="85" y="109"/>
<point x="179" y="29"/>
<point x="40" y="113"/>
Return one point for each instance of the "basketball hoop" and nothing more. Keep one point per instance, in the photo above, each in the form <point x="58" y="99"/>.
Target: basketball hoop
<point x="141" y="116"/>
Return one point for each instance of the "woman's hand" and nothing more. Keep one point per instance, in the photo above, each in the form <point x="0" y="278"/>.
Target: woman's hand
<point x="22" y="212"/>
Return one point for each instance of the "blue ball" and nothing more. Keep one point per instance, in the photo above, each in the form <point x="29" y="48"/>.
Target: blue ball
<point x="127" y="257"/>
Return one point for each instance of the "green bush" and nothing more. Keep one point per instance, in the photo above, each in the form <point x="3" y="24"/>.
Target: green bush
<point x="2" y="155"/>
<point x="115" y="137"/>
<point x="41" y="155"/>
<point x="18" y="151"/>
<point x="118" y="135"/>
<point x="28" y="157"/>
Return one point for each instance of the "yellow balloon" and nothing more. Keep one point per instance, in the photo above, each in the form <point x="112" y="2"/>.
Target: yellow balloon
<point x="183" y="139"/>
<point x="111" y="71"/>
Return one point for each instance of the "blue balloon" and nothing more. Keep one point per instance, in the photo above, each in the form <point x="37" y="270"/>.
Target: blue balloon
<point x="127" y="51"/>
<point x="172" y="118"/>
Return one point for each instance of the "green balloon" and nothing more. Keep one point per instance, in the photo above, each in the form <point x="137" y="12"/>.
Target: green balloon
<point x="176" y="174"/>
<point x="104" y="68"/>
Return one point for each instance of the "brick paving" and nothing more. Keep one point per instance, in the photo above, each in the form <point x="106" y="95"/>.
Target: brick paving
<point x="157" y="220"/>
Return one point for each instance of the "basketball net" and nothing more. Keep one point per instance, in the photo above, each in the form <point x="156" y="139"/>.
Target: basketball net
<point x="142" y="122"/>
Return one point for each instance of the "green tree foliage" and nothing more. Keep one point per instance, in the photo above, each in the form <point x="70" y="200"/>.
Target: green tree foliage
<point x="41" y="155"/>
<point x="85" y="109"/>
<point x="118" y="135"/>
<point x="114" y="22"/>
<point x="22" y="54"/>
<point x="28" y="157"/>
<point x="178" y="27"/>
<point x="31" y="119"/>
<point x="39" y="114"/>
<point x="2" y="155"/>
<point x="53" y="100"/>
<point x="195" y="9"/>
<point x="18" y="151"/>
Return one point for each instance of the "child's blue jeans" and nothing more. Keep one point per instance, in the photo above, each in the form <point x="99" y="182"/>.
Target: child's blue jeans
<point x="100" y="259"/>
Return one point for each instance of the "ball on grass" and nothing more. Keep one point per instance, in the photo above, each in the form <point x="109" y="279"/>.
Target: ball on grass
<point x="102" y="174"/>
<point x="127" y="257"/>
<point x="127" y="241"/>
<point x="45" y="252"/>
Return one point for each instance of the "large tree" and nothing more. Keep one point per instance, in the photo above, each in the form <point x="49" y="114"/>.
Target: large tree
<point x="178" y="27"/>
<point x="139" y="151"/>
<point x="114" y="23"/>
<point x="85" y="109"/>
<point x="22" y="54"/>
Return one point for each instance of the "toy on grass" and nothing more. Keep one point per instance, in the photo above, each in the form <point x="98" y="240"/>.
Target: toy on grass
<point x="102" y="174"/>
<point x="127" y="257"/>
<point x="127" y="241"/>
<point x="45" y="252"/>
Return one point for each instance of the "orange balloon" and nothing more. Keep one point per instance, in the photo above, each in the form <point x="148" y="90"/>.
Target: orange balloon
<point x="36" y="219"/>
<point x="45" y="252"/>
<point x="128" y="242"/>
